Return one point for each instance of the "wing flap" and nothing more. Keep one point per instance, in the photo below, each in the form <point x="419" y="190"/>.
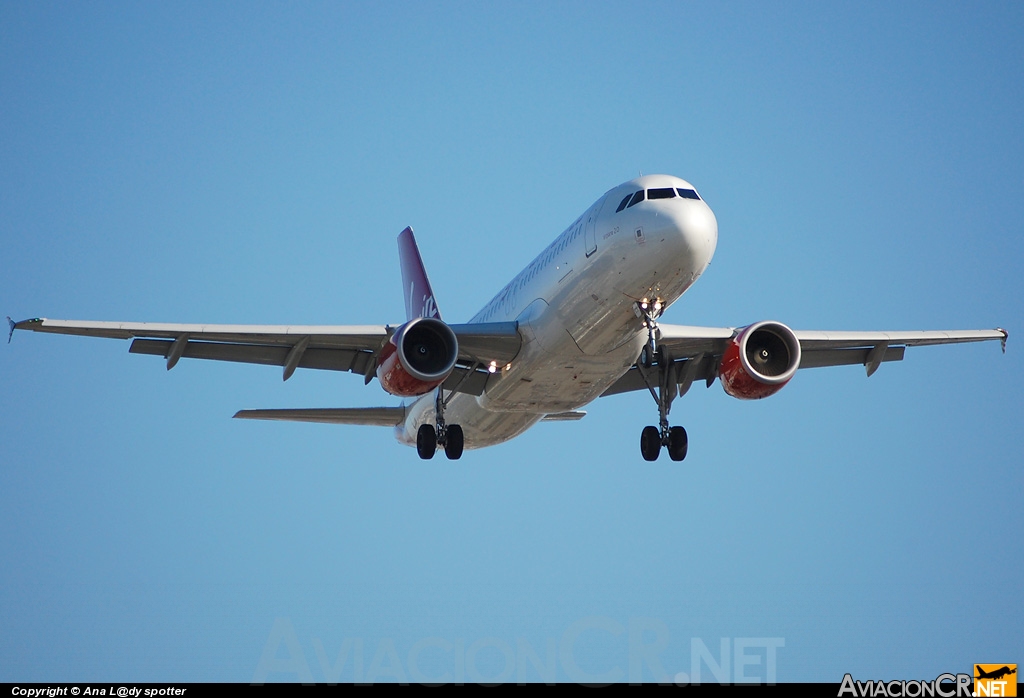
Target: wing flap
<point x="817" y="358"/>
<point x="372" y="416"/>
<point x="628" y="382"/>
<point x="470" y="380"/>
<point x="325" y="359"/>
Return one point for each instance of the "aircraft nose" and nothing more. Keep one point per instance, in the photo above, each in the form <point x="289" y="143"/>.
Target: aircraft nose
<point x="698" y="232"/>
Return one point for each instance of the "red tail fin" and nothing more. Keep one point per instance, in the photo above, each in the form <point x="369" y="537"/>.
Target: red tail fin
<point x="419" y="298"/>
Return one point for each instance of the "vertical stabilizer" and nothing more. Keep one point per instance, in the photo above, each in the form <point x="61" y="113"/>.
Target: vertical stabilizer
<point x="419" y="298"/>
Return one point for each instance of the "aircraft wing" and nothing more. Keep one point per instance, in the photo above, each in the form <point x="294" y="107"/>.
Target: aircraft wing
<point x="352" y="348"/>
<point x="697" y="351"/>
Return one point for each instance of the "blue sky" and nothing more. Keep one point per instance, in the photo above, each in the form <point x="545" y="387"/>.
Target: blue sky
<point x="254" y="163"/>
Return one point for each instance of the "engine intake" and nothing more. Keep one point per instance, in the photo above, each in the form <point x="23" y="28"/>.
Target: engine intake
<point x="759" y="361"/>
<point x="420" y="355"/>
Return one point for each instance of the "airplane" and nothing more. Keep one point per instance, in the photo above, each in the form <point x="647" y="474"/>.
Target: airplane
<point x="996" y="674"/>
<point x="581" y="321"/>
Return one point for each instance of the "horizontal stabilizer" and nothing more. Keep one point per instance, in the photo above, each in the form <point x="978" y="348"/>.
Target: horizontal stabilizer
<point x="372" y="416"/>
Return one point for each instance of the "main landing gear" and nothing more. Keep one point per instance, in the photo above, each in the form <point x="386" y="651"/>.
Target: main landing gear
<point x="657" y="370"/>
<point x="449" y="436"/>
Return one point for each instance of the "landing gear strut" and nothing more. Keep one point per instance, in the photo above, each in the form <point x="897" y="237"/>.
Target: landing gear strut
<point x="659" y="373"/>
<point x="649" y="311"/>
<point x="449" y="436"/>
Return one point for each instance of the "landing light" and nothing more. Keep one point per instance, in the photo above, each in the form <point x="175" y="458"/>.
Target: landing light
<point x="493" y="367"/>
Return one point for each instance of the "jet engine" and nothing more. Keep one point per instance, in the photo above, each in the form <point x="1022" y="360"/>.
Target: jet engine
<point x="759" y="361"/>
<point x="420" y="355"/>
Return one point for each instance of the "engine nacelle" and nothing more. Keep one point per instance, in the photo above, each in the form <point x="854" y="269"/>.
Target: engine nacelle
<point x="759" y="361"/>
<point x="420" y="355"/>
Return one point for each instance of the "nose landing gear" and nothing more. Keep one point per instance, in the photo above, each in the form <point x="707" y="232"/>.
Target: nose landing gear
<point x="449" y="436"/>
<point x="659" y="373"/>
<point x="674" y="439"/>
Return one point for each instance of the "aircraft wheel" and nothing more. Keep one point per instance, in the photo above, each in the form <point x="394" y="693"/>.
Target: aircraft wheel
<point x="650" y="443"/>
<point x="677" y="443"/>
<point x="426" y="441"/>
<point x="646" y="359"/>
<point x="454" y="442"/>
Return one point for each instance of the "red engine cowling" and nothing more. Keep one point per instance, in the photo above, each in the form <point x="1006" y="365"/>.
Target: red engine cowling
<point x="759" y="361"/>
<point x="418" y="357"/>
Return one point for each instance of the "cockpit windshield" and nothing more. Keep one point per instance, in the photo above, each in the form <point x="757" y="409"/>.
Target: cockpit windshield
<point x="656" y="193"/>
<point x="666" y="193"/>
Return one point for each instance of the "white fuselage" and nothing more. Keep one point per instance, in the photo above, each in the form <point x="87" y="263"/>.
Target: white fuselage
<point x="575" y="305"/>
